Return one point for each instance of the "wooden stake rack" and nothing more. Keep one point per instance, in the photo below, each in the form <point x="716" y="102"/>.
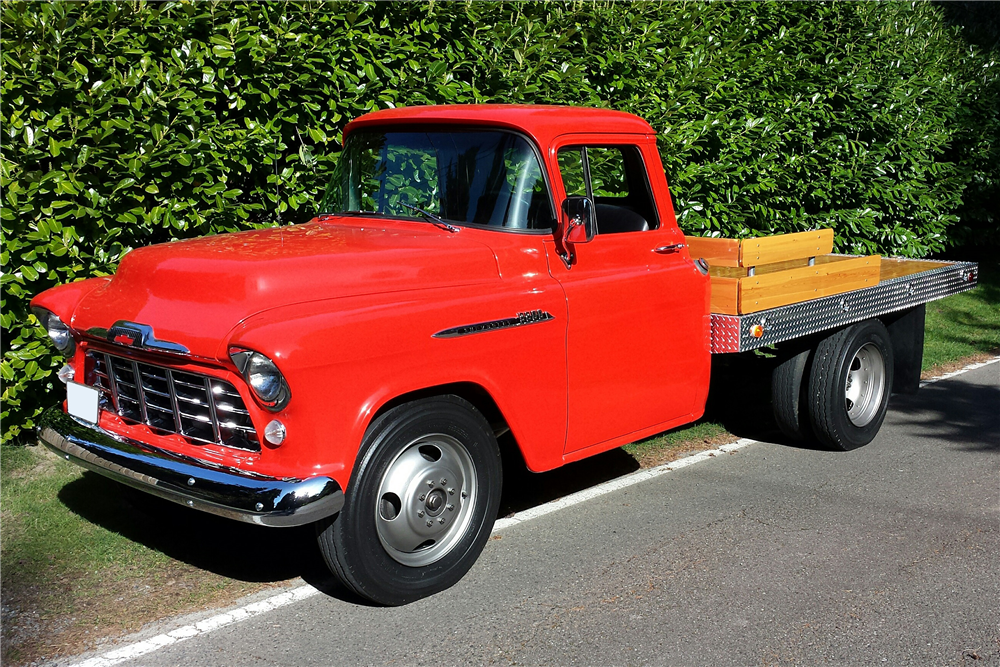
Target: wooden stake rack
<point x="750" y="275"/>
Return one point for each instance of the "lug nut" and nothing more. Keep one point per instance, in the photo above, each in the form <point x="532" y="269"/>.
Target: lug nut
<point x="430" y="482"/>
<point x="451" y="492"/>
<point x="443" y="481"/>
<point x="450" y="508"/>
<point x="420" y="514"/>
<point x="422" y="496"/>
<point x="429" y="523"/>
<point x="441" y="520"/>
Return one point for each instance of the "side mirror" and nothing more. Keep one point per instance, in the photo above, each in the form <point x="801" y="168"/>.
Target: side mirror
<point x="581" y="226"/>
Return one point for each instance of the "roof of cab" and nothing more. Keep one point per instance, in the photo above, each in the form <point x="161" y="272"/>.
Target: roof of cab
<point x="542" y="122"/>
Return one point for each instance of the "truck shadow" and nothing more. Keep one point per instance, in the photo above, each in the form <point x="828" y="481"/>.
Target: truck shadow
<point x="222" y="546"/>
<point x="740" y="399"/>
<point x="267" y="555"/>
<point x="964" y="414"/>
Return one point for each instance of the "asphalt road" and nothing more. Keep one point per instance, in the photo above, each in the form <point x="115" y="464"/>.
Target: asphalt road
<point x="770" y="555"/>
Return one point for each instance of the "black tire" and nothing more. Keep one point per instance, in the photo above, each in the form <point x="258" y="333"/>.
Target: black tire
<point x="789" y="398"/>
<point x="831" y="412"/>
<point x="357" y="544"/>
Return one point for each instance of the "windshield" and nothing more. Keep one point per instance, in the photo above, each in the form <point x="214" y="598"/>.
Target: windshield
<point x="489" y="178"/>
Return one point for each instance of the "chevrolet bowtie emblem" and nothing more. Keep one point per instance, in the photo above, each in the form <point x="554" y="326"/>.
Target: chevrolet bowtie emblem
<point x="125" y="339"/>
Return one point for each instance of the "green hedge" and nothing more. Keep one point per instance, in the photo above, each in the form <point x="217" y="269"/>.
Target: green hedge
<point x="130" y="124"/>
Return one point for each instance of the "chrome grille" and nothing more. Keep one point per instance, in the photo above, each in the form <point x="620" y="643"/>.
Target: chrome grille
<point x="199" y="407"/>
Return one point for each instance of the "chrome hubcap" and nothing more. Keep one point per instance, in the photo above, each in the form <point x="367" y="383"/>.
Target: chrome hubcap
<point x="425" y="500"/>
<point x="865" y="385"/>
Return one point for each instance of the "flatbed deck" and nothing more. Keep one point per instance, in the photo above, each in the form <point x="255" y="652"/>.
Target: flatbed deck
<point x="773" y="289"/>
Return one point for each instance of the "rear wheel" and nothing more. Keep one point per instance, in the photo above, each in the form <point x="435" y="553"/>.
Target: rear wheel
<point x="849" y="385"/>
<point x="788" y="396"/>
<point x="421" y="502"/>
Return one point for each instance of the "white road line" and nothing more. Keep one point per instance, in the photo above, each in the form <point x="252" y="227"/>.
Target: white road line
<point x="138" y="649"/>
<point x="200" y="628"/>
<point x="615" y="485"/>
<point x="966" y="369"/>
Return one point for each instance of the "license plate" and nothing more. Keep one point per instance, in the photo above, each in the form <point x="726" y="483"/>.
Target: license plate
<point x="83" y="401"/>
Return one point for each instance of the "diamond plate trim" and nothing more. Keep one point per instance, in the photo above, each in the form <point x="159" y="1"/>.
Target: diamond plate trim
<point x="733" y="333"/>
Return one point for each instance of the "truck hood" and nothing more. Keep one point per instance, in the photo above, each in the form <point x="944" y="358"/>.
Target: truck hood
<point x="194" y="292"/>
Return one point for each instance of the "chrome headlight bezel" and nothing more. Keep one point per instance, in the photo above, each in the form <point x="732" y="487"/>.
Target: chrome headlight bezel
<point x="263" y="377"/>
<point x="58" y="331"/>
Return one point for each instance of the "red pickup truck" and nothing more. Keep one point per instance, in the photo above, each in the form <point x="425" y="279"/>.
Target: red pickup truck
<point x="473" y="273"/>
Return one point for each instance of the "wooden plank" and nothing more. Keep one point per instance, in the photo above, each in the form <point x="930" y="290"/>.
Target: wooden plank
<point x="717" y="252"/>
<point x="897" y="268"/>
<point x="741" y="272"/>
<point x="725" y="296"/>
<point x="785" y="247"/>
<point x="781" y="288"/>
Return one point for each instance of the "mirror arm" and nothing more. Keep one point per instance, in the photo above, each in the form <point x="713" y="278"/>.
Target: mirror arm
<point x="567" y="255"/>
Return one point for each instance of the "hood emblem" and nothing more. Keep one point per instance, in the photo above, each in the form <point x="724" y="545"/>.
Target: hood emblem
<point x="133" y="334"/>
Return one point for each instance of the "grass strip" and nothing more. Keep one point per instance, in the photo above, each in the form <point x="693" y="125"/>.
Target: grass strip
<point x="965" y="327"/>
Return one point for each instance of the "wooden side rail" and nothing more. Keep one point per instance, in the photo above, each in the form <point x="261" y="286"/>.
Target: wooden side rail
<point x="763" y="250"/>
<point x="785" y="247"/>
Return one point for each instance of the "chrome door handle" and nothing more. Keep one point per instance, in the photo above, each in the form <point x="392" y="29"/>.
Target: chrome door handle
<point x="667" y="249"/>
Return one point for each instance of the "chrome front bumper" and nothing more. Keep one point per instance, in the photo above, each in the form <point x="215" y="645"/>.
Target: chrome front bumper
<point x="231" y="493"/>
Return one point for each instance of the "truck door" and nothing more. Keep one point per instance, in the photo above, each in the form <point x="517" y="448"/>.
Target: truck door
<point x="636" y="348"/>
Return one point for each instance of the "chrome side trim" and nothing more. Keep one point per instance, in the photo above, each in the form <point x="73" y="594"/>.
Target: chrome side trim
<point x="522" y="319"/>
<point x="734" y="333"/>
<point x="227" y="492"/>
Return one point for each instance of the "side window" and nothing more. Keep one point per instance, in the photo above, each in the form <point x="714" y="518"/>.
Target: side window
<point x="617" y="184"/>
<point x="607" y="172"/>
<point x="571" y="167"/>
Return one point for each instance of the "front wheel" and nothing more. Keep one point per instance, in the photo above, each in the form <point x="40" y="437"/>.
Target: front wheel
<point x="849" y="385"/>
<point x="421" y="503"/>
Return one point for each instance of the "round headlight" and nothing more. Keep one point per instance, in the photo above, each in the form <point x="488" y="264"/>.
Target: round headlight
<point x="264" y="378"/>
<point x="57" y="331"/>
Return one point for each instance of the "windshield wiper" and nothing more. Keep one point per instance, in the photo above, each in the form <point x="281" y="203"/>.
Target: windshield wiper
<point x="438" y="221"/>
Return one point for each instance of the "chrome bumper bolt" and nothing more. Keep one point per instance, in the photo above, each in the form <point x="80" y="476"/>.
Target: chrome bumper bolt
<point x="260" y="506"/>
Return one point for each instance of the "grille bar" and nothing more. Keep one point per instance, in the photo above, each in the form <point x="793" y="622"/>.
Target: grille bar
<point x="203" y="409"/>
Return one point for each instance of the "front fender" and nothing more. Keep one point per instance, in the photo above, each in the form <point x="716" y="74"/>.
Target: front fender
<point x="63" y="299"/>
<point x="346" y="358"/>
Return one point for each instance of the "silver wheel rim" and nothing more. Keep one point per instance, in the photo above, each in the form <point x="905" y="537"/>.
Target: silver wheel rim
<point x="865" y="385"/>
<point x="425" y="500"/>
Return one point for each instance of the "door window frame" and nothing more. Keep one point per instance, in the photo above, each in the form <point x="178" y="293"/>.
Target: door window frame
<point x="583" y="141"/>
